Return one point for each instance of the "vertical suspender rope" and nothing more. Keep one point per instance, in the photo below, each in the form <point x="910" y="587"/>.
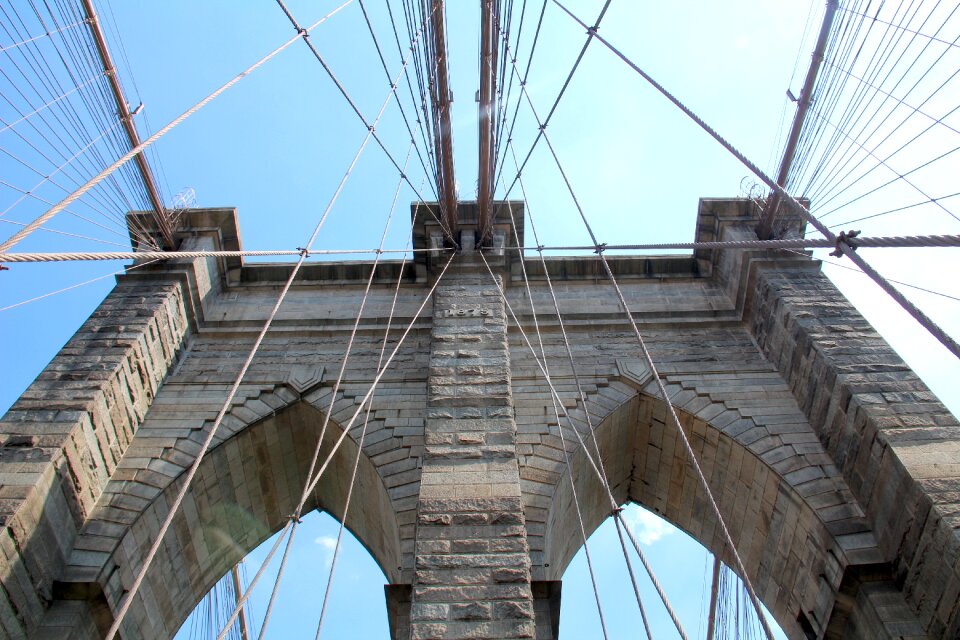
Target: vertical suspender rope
<point x="63" y="204"/>
<point x="675" y="420"/>
<point x="935" y="330"/>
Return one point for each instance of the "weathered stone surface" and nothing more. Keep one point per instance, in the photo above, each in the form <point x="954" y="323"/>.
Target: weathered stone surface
<point x="836" y="470"/>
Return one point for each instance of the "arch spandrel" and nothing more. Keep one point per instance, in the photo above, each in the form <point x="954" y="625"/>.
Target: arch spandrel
<point x="801" y="536"/>
<point x="244" y="491"/>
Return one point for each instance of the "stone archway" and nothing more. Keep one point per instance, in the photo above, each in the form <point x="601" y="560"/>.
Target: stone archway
<point x="796" y="560"/>
<point x="244" y="491"/>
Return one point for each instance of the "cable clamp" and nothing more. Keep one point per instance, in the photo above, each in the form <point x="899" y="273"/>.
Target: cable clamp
<point x="543" y="127"/>
<point x="370" y="128"/>
<point x="3" y="268"/>
<point x="304" y="252"/>
<point x="592" y="30"/>
<point x="378" y="251"/>
<point x="295" y="517"/>
<point x="540" y="248"/>
<point x="303" y="32"/>
<point x="845" y="237"/>
<point x="600" y="248"/>
<point x="616" y="512"/>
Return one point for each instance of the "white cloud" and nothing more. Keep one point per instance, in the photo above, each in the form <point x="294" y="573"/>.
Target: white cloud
<point x="648" y="527"/>
<point x="328" y="544"/>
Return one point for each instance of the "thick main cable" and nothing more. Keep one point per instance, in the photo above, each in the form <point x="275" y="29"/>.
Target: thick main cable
<point x="788" y="200"/>
<point x="60" y="206"/>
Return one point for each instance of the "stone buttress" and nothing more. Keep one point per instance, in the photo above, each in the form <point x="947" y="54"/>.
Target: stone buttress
<point x="472" y="566"/>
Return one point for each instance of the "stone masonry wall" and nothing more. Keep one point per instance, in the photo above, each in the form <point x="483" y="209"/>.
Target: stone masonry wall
<point x="896" y="445"/>
<point x="63" y="439"/>
<point x="472" y="577"/>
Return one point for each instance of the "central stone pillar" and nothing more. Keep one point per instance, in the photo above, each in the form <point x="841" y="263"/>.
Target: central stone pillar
<point x="472" y="566"/>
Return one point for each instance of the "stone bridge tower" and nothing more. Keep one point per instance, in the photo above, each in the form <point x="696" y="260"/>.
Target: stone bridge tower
<point x="836" y="469"/>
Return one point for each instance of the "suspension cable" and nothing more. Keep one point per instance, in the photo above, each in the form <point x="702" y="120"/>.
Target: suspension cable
<point x="23" y="233"/>
<point x="788" y="200"/>
<point x="583" y="398"/>
<point x="593" y="464"/>
<point x="854" y="241"/>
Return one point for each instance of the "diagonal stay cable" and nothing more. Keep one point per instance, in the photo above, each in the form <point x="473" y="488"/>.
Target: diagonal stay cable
<point x="563" y="446"/>
<point x="277" y="579"/>
<point x="305" y="35"/>
<point x="75" y="286"/>
<point x="576" y="377"/>
<point x="125" y="604"/>
<point x="788" y="200"/>
<point x="346" y="428"/>
<point x="366" y="419"/>
<point x="591" y="33"/>
<point x="556" y="398"/>
<point x="60" y="206"/>
<point x="675" y="420"/>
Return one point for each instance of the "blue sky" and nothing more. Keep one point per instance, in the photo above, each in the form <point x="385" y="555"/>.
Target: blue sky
<point x="276" y="145"/>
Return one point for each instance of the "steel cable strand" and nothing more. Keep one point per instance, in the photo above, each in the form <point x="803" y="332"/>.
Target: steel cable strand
<point x="65" y="233"/>
<point x="837" y="40"/>
<point x="899" y="26"/>
<point x="899" y="176"/>
<point x="923" y="241"/>
<point x="605" y="479"/>
<point x="156" y="136"/>
<point x="47" y="105"/>
<point x="556" y="399"/>
<point x="827" y="193"/>
<point x="48" y="34"/>
<point x="371" y="128"/>
<point x="505" y="101"/>
<point x="69" y="211"/>
<point x="52" y="84"/>
<point x="831" y="192"/>
<point x="902" y="284"/>
<point x="75" y="286"/>
<point x="366" y="421"/>
<point x="666" y="398"/>
<point x="827" y="189"/>
<point x="366" y="398"/>
<point x="107" y="215"/>
<point x="591" y="33"/>
<point x="895" y="210"/>
<point x="563" y="445"/>
<point x="296" y="514"/>
<point x="386" y="70"/>
<point x="406" y="73"/>
<point x="788" y="200"/>
<point x="862" y="98"/>
<point x="526" y="74"/>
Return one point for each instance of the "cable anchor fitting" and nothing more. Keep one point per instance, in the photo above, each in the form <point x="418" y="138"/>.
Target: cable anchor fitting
<point x="845" y="238"/>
